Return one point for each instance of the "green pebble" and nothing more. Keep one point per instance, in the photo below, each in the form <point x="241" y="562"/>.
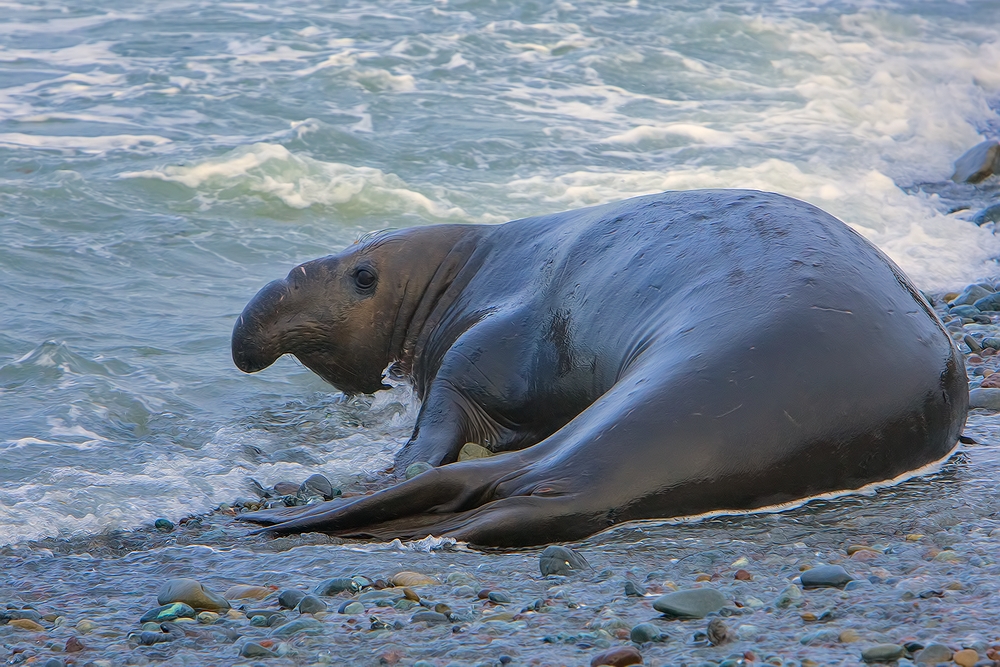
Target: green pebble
<point x="646" y="632"/>
<point x="883" y="653"/>
<point x="168" y="612"/>
<point x="259" y="621"/>
<point x="353" y="607"/>
<point x="163" y="525"/>
<point x="417" y="468"/>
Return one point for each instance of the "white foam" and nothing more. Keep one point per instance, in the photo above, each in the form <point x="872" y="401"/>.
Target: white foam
<point x="301" y="181"/>
<point x="91" y="145"/>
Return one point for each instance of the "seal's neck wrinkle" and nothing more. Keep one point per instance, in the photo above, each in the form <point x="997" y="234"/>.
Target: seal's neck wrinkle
<point x="425" y="304"/>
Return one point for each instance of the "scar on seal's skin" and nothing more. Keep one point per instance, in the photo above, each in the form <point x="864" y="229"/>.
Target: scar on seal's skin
<point x="611" y="401"/>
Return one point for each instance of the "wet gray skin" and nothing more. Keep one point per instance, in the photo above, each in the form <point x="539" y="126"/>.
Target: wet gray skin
<point x="663" y="356"/>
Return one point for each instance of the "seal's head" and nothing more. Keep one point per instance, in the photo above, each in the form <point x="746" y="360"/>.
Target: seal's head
<point x="344" y="316"/>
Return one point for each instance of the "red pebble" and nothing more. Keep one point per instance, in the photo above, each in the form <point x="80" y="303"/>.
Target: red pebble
<point x="621" y="656"/>
<point x="743" y="575"/>
<point x="749" y="656"/>
<point x="992" y="382"/>
<point x="74" y="645"/>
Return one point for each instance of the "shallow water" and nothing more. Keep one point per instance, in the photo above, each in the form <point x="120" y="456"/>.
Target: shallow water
<point x="159" y="162"/>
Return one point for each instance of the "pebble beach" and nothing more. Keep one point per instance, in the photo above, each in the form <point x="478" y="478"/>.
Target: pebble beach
<point x="161" y="161"/>
<point x="902" y="575"/>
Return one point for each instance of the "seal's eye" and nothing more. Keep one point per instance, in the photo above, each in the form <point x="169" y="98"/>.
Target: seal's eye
<point x="364" y="278"/>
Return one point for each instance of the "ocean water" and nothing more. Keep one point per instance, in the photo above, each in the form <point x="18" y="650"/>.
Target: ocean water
<point x="161" y="161"/>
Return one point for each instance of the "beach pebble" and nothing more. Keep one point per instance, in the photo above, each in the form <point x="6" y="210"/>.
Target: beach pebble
<point x="85" y="625"/>
<point x="244" y="592"/>
<point x="883" y="653"/>
<point x="747" y="632"/>
<point x="289" y="599"/>
<point x="334" y="586"/>
<point x="788" y="596"/>
<point x="163" y="525"/>
<point x="849" y="636"/>
<point x="191" y="593"/>
<point x="825" y="576"/>
<point x="717" y="632"/>
<point x="286" y="488"/>
<point x="988" y="303"/>
<point x="498" y="596"/>
<point x="417" y="468"/>
<point x="988" y="214"/>
<point x="967" y="657"/>
<point x="556" y="559"/>
<point x="351" y="607"/>
<point x="309" y="626"/>
<point x="646" y="632"/>
<point x="27" y="624"/>
<point x="255" y="650"/>
<point x="317" y="485"/>
<point x="412" y="579"/>
<point x="428" y="617"/>
<point x="620" y="656"/>
<point x="691" y="603"/>
<point x="471" y="450"/>
<point x="168" y="612"/>
<point x="310" y="604"/>
<point x="633" y="590"/>
<point x="933" y="654"/>
<point x="207" y="617"/>
<point x="970" y="295"/>
<point x="978" y="163"/>
<point x="985" y="398"/>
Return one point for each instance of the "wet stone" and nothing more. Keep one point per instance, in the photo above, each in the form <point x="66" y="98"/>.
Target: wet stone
<point x="933" y="654"/>
<point x="244" y="592"/>
<point x="620" y="656"/>
<point x="967" y="657"/>
<point x="310" y="604"/>
<point x="309" y="626"/>
<point x="255" y="650"/>
<point x="883" y="653"/>
<point x="163" y="525"/>
<point x="85" y="625"/>
<point x="417" y="468"/>
<point x="499" y="597"/>
<point x="289" y="599"/>
<point x="988" y="399"/>
<point x="317" y="485"/>
<point x="168" y="612"/>
<point x="691" y="603"/>
<point x="412" y="579"/>
<point x="825" y="576"/>
<point x="193" y="594"/>
<point x="965" y="311"/>
<point x="788" y="596"/>
<point x="987" y="303"/>
<point x="634" y="591"/>
<point x="978" y="163"/>
<point x="26" y="624"/>
<point x="556" y="559"/>
<point x="337" y="585"/>
<point x="970" y="295"/>
<point x="351" y="607"/>
<point x="286" y="488"/>
<point x="258" y="621"/>
<point x="207" y="617"/>
<point x="988" y="214"/>
<point x="471" y="450"/>
<point x="428" y="617"/>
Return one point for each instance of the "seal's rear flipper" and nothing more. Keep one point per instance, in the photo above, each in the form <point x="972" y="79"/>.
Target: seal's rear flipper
<point x="966" y="440"/>
<point x="281" y="514"/>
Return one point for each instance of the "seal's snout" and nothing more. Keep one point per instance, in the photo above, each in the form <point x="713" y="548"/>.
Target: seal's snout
<point x="254" y="341"/>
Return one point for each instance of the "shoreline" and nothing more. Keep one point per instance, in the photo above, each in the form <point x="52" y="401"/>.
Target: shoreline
<point x="921" y="554"/>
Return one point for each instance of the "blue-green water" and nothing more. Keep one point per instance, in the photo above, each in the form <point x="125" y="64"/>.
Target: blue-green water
<point x="160" y="161"/>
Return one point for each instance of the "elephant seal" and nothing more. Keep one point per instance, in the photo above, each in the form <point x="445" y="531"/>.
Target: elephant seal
<point x="662" y="356"/>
